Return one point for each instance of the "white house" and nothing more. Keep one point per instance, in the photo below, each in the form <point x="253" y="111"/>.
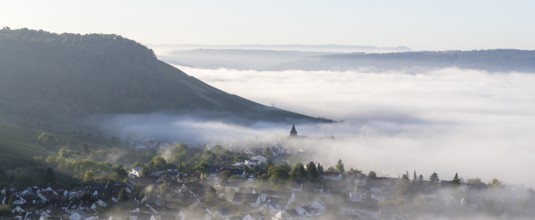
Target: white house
<point x="136" y="171"/>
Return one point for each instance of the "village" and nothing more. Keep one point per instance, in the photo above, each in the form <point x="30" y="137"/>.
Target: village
<point x="260" y="185"/>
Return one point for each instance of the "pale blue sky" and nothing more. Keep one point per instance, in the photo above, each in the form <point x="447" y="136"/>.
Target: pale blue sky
<point x="418" y="24"/>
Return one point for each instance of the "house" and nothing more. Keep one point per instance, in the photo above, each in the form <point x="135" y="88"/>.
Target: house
<point x="287" y="214"/>
<point x="358" y="196"/>
<point x="259" y="159"/>
<point x="252" y="199"/>
<point x="309" y="211"/>
<point x="17" y="209"/>
<point x="360" y="210"/>
<point x="254" y="216"/>
<point x="136" y="171"/>
<point x="361" y="181"/>
<point x="333" y="176"/>
<point x="315" y="208"/>
<point x="83" y="215"/>
<point x="19" y="201"/>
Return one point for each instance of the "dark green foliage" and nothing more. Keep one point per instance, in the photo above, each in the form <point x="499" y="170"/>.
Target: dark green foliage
<point x="5" y="210"/>
<point x="202" y="167"/>
<point x="320" y="169"/>
<point x="312" y="171"/>
<point x="47" y="139"/>
<point x="88" y="177"/>
<point x="279" y="174"/>
<point x="121" y="172"/>
<point x="298" y="172"/>
<point x="434" y="178"/>
<point x="11" y="200"/>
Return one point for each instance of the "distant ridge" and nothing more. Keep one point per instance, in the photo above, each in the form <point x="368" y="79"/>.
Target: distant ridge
<point x="49" y="79"/>
<point x="496" y="60"/>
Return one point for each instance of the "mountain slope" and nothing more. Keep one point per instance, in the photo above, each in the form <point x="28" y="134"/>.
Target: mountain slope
<point x="48" y="79"/>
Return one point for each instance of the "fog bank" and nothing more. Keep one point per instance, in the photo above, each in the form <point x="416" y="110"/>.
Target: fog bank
<point x="447" y="121"/>
<point x="450" y="120"/>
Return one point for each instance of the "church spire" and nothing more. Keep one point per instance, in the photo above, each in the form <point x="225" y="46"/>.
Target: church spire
<point x="293" y="132"/>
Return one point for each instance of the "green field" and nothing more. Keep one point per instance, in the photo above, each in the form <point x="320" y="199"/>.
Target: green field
<point x="19" y="142"/>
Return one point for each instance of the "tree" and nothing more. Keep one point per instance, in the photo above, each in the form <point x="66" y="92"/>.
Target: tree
<point x="47" y="139"/>
<point x="456" y="179"/>
<point x="421" y="178"/>
<point x="434" y="178"/>
<point x="158" y="163"/>
<point x="298" y="172"/>
<point x="180" y="171"/>
<point x="340" y="166"/>
<point x="11" y="200"/>
<point x="372" y="175"/>
<point x="121" y="172"/>
<point x="202" y="167"/>
<point x="312" y="171"/>
<point x="475" y="181"/>
<point x="279" y="174"/>
<point x="88" y="177"/>
<point x="320" y="169"/>
<point x="495" y="183"/>
<point x="414" y="177"/>
<point x="403" y="186"/>
<point x="49" y="176"/>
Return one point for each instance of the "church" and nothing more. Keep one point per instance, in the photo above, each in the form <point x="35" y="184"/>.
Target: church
<point x="293" y="132"/>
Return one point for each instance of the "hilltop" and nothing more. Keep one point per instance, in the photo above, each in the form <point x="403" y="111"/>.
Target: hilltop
<point x="50" y="80"/>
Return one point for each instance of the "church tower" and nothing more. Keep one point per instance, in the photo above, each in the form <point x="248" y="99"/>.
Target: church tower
<point x="293" y="132"/>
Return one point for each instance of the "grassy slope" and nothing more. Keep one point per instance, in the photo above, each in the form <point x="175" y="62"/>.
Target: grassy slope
<point x="19" y="142"/>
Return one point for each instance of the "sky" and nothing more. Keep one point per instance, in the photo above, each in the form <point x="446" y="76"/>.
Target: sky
<point x="418" y="24"/>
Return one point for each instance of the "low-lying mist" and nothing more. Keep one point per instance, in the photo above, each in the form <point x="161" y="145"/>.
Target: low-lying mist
<point x="448" y="121"/>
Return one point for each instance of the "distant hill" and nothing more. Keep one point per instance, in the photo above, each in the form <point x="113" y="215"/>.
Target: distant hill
<point x="236" y="58"/>
<point x="49" y="80"/>
<point x="499" y="60"/>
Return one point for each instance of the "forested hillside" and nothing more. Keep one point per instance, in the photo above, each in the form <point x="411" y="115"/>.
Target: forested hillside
<point x="49" y="79"/>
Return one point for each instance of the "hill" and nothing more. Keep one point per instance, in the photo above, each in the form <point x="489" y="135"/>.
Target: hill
<point x="497" y="60"/>
<point x="54" y="80"/>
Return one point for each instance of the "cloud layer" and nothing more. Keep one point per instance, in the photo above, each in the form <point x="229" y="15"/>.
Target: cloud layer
<point x="446" y="121"/>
